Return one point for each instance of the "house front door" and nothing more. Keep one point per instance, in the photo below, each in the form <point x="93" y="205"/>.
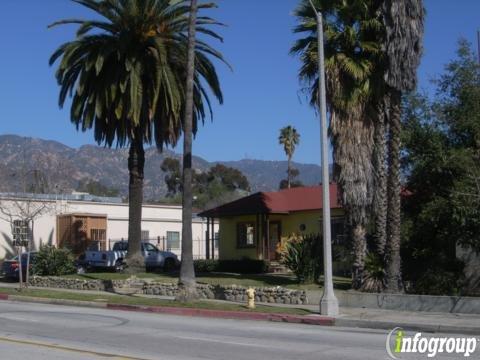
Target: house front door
<point x="274" y="239"/>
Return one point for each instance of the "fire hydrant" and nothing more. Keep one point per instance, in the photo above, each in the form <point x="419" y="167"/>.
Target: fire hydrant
<point x="251" y="298"/>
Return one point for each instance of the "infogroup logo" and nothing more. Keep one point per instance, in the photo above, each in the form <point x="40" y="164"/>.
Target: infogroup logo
<point x="398" y="344"/>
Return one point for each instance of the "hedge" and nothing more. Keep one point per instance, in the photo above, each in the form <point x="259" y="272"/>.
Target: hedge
<point x="244" y="266"/>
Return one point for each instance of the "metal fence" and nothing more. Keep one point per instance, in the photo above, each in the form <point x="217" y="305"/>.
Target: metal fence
<point x="161" y="242"/>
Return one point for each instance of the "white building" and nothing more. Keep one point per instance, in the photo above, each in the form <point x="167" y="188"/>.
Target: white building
<point x="95" y="219"/>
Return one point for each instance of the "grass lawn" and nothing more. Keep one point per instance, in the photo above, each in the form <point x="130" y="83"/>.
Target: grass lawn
<point x="258" y="280"/>
<point x="138" y="300"/>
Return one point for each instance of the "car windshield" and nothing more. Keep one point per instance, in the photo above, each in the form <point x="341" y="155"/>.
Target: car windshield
<point x="149" y="247"/>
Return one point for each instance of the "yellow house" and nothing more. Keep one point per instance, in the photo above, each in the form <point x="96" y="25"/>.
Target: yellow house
<point x="253" y="227"/>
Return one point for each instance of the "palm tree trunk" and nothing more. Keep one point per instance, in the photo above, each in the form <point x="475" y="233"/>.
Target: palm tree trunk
<point x="380" y="178"/>
<point x="187" y="284"/>
<point x="359" y="252"/>
<point x="392" y="256"/>
<point x="352" y="139"/>
<point x="289" y="171"/>
<point x="136" y="163"/>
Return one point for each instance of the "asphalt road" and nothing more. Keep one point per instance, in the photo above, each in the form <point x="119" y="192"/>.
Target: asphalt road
<point x="37" y="331"/>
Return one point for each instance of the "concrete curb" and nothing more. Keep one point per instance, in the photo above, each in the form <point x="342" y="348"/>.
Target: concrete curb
<point x="224" y="314"/>
<point x="38" y="300"/>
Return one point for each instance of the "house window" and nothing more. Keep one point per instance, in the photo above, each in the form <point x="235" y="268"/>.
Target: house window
<point x="145" y="235"/>
<point x="98" y="234"/>
<point x="20" y="230"/>
<point x="245" y="234"/>
<point x="216" y="240"/>
<point x="173" y="240"/>
<point x="99" y="237"/>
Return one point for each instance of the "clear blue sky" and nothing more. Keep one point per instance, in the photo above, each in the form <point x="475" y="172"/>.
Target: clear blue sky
<point x="261" y="94"/>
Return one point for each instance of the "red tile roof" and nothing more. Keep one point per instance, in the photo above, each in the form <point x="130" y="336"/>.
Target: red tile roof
<point x="278" y="202"/>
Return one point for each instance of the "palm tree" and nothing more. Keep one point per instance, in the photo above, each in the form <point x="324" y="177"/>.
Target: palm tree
<point x="404" y="27"/>
<point x="125" y="73"/>
<point x="289" y="138"/>
<point x="380" y="181"/>
<point x="186" y="281"/>
<point x="351" y="55"/>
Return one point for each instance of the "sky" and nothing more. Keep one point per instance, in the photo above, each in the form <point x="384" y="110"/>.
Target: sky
<point x="262" y="93"/>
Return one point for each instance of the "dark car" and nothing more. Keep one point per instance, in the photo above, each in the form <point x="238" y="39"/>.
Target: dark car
<point x="11" y="268"/>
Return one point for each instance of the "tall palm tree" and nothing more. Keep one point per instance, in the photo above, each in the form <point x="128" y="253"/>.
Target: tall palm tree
<point x="126" y="75"/>
<point x="186" y="282"/>
<point x="404" y="27"/>
<point x="351" y="53"/>
<point x="289" y="138"/>
<point x="380" y="169"/>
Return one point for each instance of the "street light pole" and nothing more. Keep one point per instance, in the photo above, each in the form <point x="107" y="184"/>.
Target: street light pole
<point x="328" y="303"/>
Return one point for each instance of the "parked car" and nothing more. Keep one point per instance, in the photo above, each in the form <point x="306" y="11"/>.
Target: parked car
<point x="11" y="269"/>
<point x="115" y="259"/>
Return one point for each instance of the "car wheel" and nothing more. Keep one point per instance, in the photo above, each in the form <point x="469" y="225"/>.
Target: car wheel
<point x="169" y="265"/>
<point x="119" y="266"/>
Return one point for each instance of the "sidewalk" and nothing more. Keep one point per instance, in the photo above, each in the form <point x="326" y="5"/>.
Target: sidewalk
<point x="408" y="320"/>
<point x="413" y="321"/>
<point x="349" y="317"/>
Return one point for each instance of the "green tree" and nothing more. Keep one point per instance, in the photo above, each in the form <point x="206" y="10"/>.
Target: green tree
<point x="96" y="188"/>
<point x="404" y="26"/>
<point x="232" y="179"/>
<point x="219" y="185"/>
<point x="173" y="175"/>
<point x="125" y="72"/>
<point x="441" y="162"/>
<point x="352" y="52"/>
<point x="294" y="173"/>
<point x="289" y="138"/>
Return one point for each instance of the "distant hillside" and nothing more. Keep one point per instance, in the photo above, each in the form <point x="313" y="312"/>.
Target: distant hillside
<point x="62" y="167"/>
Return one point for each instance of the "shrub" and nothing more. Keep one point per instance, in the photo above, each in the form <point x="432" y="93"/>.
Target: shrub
<point x="436" y="281"/>
<point x="244" y="266"/>
<point x="51" y="261"/>
<point x="205" y="266"/>
<point x="374" y="273"/>
<point x="303" y="256"/>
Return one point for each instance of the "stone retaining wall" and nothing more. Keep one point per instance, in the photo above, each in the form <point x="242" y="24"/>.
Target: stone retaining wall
<point x="76" y="284"/>
<point x="406" y="302"/>
<point x="277" y="295"/>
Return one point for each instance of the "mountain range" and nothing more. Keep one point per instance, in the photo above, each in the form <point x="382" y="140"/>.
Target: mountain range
<point x="60" y="168"/>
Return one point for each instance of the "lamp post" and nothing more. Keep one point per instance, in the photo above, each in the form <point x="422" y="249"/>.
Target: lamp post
<point x="328" y="303"/>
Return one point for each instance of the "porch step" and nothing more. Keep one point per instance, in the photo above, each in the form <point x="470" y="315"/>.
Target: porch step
<point x="277" y="268"/>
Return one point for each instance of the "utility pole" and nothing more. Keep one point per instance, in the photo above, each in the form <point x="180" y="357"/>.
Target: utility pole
<point x="328" y="303"/>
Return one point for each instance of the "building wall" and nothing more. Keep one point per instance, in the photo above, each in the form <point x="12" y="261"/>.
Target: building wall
<point x="227" y="247"/>
<point x="156" y="219"/>
<point x="290" y="224"/>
